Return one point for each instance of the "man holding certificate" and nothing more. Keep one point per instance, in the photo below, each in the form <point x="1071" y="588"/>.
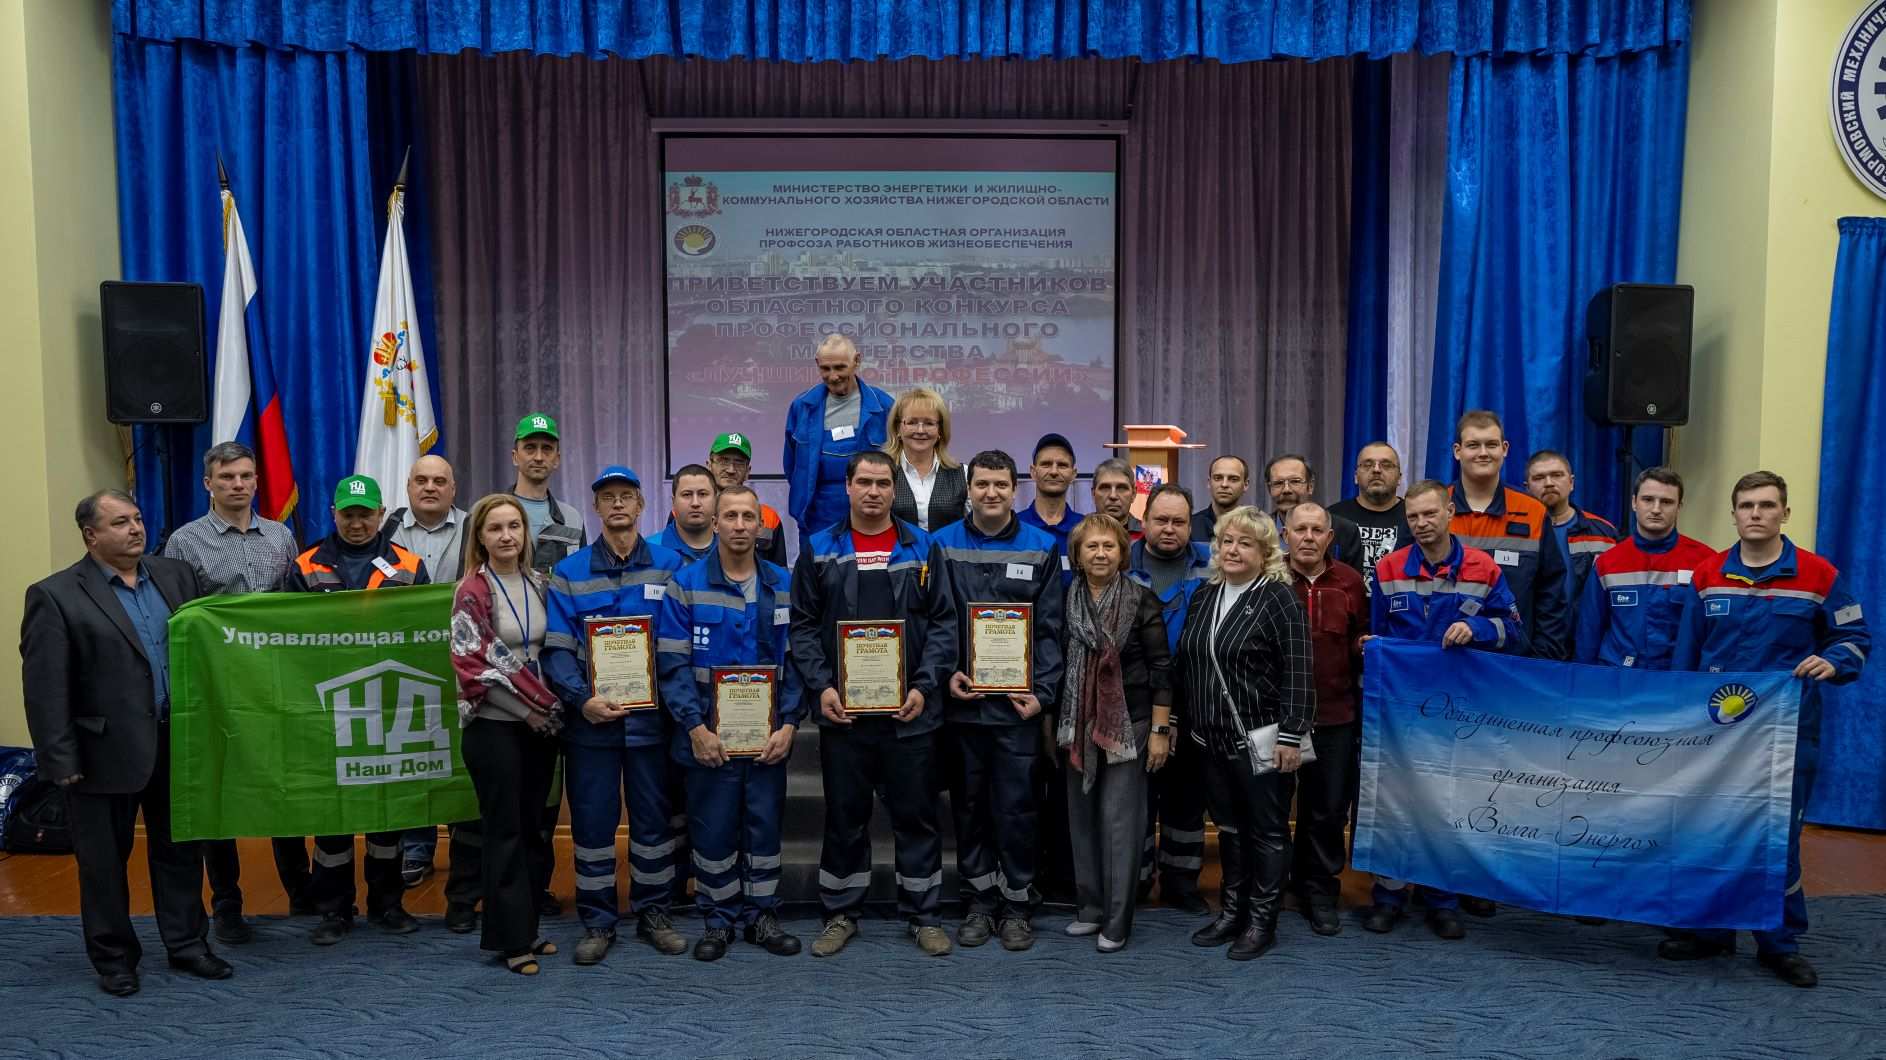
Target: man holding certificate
<point x="723" y="640"/>
<point x="875" y="641"/>
<point x="1004" y="579"/>
<point x="598" y="654"/>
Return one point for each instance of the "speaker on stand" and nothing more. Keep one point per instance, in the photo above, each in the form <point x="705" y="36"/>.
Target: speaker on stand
<point x="1638" y="373"/>
<point x="154" y="363"/>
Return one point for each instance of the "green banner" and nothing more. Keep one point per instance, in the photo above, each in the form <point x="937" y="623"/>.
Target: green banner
<point x="315" y="714"/>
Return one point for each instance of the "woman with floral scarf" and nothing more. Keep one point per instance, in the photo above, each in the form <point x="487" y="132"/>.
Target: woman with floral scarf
<point x="1113" y="726"/>
<point x="510" y="721"/>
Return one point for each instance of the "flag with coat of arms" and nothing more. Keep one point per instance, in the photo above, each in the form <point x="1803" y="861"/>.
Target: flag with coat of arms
<point x="396" y="424"/>
<point x="247" y="408"/>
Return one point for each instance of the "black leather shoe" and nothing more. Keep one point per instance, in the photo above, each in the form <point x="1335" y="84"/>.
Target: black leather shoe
<point x="1219" y="931"/>
<point x="975" y="930"/>
<point x="1381" y="918"/>
<point x="461" y="918"/>
<point x="395" y="920"/>
<point x="118" y="984"/>
<point x="332" y="928"/>
<point x="1016" y="934"/>
<point x="713" y="944"/>
<point x="1791" y="968"/>
<point x="1254" y="942"/>
<point x="1187" y="901"/>
<point x="203" y="966"/>
<point x="232" y="929"/>
<point x="1479" y="907"/>
<point x="1692" y="948"/>
<point x="766" y="933"/>
<point x="1445" y="923"/>
<point x="1323" y="916"/>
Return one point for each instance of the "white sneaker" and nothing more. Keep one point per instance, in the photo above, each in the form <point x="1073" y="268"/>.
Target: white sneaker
<point x="1107" y="945"/>
<point x="1081" y="929"/>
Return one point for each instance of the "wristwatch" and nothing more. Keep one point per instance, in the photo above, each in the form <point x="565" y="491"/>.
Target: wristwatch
<point x="1162" y="730"/>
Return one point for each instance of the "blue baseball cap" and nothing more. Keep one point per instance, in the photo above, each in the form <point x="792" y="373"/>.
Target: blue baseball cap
<point x="615" y="473"/>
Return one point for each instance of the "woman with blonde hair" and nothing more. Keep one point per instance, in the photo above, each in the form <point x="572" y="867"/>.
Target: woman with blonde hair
<point x="1113" y="726"/>
<point x="931" y="490"/>
<point x="510" y="719"/>
<point x="1242" y="688"/>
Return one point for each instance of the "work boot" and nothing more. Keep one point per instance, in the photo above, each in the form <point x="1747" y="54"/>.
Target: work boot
<point x="1791" y="968"/>
<point x="713" y="944"/>
<point x="1016" y="934"/>
<point x="832" y="937"/>
<point x="654" y="928"/>
<point x="595" y="943"/>
<point x="1480" y="907"/>
<point x="332" y="928"/>
<point x="1381" y="918"/>
<point x="1445" y="923"/>
<point x="1323" y="916"/>
<point x="931" y="939"/>
<point x="766" y="933"/>
<point x="975" y="930"/>
<point x="231" y="928"/>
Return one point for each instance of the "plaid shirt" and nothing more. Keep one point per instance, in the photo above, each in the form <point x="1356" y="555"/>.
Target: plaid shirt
<point x="1263" y="654"/>
<point x="228" y="560"/>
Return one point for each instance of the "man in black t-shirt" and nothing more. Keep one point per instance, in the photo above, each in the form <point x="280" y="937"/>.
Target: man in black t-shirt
<point x="1376" y="509"/>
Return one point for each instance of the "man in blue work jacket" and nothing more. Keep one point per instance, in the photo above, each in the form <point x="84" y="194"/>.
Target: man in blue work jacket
<point x="610" y="751"/>
<point x="1173" y="566"/>
<point x="731" y="608"/>
<point x="1767" y="604"/>
<point x="992" y="557"/>
<point x="840" y="416"/>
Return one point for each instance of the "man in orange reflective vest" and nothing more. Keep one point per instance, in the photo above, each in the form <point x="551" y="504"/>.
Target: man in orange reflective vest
<point x="357" y="555"/>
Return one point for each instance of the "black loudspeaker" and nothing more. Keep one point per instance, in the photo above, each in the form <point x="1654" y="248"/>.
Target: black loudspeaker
<point x="1639" y="372"/>
<point x="154" y="352"/>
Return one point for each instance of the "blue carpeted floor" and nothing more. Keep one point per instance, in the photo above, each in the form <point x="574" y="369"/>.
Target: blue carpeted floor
<point x="1521" y="985"/>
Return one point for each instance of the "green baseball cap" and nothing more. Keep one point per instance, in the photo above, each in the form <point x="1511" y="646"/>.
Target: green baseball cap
<point x="536" y="423"/>
<point x="356" y="491"/>
<point x="733" y="441"/>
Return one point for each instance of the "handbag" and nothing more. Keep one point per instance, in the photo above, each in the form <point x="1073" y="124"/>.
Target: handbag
<point x="1260" y="743"/>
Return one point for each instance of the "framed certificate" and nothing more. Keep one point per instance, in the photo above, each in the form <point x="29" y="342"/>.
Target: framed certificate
<point x="745" y="708"/>
<point x="622" y="660"/>
<point x="871" y="666"/>
<point x="1001" y="647"/>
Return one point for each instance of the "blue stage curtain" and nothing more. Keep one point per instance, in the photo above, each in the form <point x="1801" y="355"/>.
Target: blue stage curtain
<point x="292" y="129"/>
<point x="1851" y="790"/>
<point x="1365" y="398"/>
<point x="1565" y="176"/>
<point x="811" y="30"/>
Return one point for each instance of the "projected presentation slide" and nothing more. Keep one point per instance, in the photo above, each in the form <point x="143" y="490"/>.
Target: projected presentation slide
<point x="982" y="268"/>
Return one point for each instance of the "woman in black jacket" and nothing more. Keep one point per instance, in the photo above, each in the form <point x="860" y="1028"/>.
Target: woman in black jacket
<point x="929" y="488"/>
<point x="1242" y="687"/>
<point x="1113" y="726"/>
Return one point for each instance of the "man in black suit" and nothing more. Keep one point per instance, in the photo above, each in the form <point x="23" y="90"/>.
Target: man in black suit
<point x="97" y="679"/>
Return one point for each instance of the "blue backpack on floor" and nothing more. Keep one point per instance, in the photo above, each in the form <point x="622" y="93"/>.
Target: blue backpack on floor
<point x="32" y="811"/>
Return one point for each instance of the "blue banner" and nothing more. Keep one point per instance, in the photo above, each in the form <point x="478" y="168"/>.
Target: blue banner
<point x="1661" y="798"/>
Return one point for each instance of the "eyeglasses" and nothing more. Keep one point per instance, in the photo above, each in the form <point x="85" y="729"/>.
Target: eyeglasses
<point x="1293" y="483"/>
<point x="1377" y="465"/>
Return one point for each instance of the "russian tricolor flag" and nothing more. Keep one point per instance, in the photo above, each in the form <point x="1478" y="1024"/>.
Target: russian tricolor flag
<point x="248" y="409"/>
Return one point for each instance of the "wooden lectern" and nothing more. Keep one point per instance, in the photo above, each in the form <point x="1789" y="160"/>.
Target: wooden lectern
<point x="1153" y="450"/>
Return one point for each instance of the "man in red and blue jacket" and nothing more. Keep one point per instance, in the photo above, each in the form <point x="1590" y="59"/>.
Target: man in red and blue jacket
<point x="1769" y="605"/>
<point x="1631" y="604"/>
<point x="1438" y="589"/>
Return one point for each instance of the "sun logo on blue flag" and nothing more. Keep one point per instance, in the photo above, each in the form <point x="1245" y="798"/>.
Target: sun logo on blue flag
<point x="1731" y="703"/>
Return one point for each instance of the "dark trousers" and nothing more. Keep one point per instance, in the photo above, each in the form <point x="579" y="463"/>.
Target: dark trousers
<point x="600" y="780"/>
<point x="993" y="798"/>
<point x="734" y="815"/>
<point x="103" y="827"/>
<point x="1257" y="808"/>
<point x="1106" y="826"/>
<point x="856" y="762"/>
<point x="223" y="864"/>
<point x="1325" y="792"/>
<point x="1054" y="864"/>
<point x="332" y="887"/>
<point x="510" y="768"/>
<point x="465" y="877"/>
<point x="1175" y="823"/>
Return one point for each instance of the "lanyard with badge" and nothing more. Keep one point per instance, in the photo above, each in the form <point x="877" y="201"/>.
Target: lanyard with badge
<point x="530" y="653"/>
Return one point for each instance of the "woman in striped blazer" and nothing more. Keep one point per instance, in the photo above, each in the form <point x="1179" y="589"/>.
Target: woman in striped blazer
<point x="1244" y="693"/>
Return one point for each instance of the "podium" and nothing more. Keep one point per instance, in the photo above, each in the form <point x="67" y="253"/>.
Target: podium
<point x="1153" y="450"/>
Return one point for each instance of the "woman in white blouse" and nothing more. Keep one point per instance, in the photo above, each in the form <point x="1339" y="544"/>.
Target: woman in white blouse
<point x="931" y="491"/>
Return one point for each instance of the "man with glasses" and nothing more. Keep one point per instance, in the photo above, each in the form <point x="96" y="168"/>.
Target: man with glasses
<point x="1292" y="482"/>
<point x="730" y="458"/>
<point x="1376" y="509"/>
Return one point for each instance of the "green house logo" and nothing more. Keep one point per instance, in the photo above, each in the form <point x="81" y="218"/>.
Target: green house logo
<point x="389" y="724"/>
